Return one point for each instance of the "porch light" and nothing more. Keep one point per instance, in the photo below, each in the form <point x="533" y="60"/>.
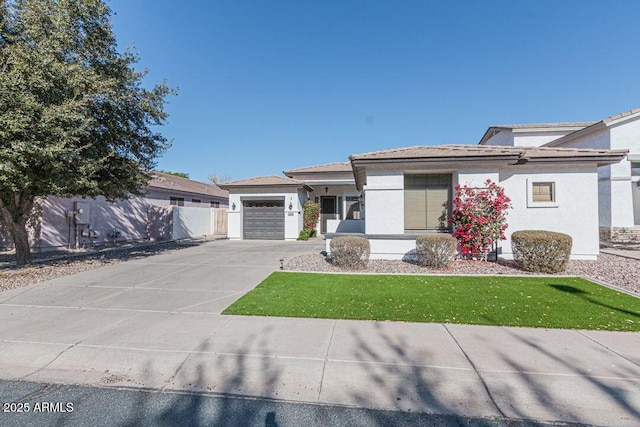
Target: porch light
<point x="233" y="206"/>
<point x="326" y="190"/>
<point x="290" y="204"/>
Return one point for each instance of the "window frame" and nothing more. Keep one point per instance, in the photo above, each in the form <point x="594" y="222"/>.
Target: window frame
<point x="531" y="203"/>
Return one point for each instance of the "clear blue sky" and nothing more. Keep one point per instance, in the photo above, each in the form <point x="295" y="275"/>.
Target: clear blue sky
<point x="272" y="85"/>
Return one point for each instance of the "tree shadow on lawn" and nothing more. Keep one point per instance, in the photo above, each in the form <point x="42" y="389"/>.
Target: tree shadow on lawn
<point x="584" y="295"/>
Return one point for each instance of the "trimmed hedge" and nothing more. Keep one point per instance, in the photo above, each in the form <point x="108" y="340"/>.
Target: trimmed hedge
<point x="436" y="250"/>
<point x="350" y="252"/>
<point x="541" y="251"/>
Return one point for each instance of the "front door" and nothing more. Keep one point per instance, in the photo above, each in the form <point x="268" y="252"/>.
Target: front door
<point x="327" y="211"/>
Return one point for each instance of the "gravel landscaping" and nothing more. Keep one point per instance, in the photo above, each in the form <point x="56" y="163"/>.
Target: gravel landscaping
<point x="611" y="269"/>
<point x="63" y="264"/>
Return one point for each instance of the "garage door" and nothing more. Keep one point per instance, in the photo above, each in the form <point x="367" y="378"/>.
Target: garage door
<point x="263" y="219"/>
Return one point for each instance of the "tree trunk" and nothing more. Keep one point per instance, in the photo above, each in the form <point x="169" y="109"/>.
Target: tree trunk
<point x="20" y="238"/>
<point x="14" y="214"/>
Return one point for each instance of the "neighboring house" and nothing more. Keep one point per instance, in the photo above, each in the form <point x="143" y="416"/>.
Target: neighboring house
<point x="165" y="189"/>
<point x="408" y="191"/>
<point x="63" y="222"/>
<point x="618" y="184"/>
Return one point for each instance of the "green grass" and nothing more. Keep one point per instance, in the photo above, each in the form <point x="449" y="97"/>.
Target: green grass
<point x="544" y="302"/>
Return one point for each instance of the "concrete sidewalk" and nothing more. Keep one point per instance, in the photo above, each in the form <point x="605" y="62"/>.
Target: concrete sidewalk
<point x="156" y="323"/>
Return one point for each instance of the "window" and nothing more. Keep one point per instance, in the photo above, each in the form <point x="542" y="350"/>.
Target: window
<point x="427" y="202"/>
<point x="215" y="204"/>
<point x="196" y="200"/>
<point x="176" y="201"/>
<point x="543" y="192"/>
<point x="635" y="168"/>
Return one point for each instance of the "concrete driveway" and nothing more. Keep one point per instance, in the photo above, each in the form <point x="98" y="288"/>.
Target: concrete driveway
<point x="155" y="323"/>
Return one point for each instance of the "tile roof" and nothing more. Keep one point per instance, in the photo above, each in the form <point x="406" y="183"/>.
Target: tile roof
<point x="594" y="127"/>
<point x="481" y="151"/>
<point x="165" y="181"/>
<point x="543" y="125"/>
<point x="435" y="151"/>
<point x="327" y="167"/>
<point x="263" y="181"/>
<point x="621" y="115"/>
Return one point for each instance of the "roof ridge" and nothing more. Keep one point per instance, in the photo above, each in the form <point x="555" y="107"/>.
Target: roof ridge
<point x="255" y="178"/>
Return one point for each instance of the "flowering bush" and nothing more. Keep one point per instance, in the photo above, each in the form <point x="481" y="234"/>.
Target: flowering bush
<point x="479" y="218"/>
<point x="311" y="214"/>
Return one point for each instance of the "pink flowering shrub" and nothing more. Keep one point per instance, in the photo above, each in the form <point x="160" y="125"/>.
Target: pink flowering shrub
<point x="311" y="214"/>
<point x="479" y="218"/>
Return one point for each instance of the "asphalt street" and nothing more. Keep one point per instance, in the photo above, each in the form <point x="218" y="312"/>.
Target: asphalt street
<point x="94" y="406"/>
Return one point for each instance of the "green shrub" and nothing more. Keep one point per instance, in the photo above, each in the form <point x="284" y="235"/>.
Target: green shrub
<point x="304" y="234"/>
<point x="541" y="251"/>
<point x="436" y="250"/>
<point x="350" y="252"/>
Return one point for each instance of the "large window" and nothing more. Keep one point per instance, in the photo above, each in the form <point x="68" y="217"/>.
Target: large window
<point x="427" y="201"/>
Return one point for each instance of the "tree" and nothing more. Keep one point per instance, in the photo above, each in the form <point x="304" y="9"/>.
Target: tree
<point x="217" y="178"/>
<point x="74" y="116"/>
<point x="180" y="174"/>
<point x="479" y="217"/>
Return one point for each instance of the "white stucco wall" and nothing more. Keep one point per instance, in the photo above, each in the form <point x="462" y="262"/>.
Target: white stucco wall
<point x="616" y="208"/>
<point x="536" y="139"/>
<point x="504" y="137"/>
<point x="189" y="221"/>
<point x="575" y="212"/>
<point x="293" y="217"/>
<point x="384" y="194"/>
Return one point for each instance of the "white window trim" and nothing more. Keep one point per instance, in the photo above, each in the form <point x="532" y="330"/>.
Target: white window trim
<point x="532" y="204"/>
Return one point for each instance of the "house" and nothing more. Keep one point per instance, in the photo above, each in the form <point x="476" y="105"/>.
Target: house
<point x="164" y="212"/>
<point x="618" y="184"/>
<point x="165" y="190"/>
<point x="257" y="204"/>
<point x="401" y="193"/>
<point x="408" y="191"/>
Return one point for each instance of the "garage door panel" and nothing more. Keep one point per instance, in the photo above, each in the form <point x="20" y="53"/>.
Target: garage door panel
<point x="264" y="219"/>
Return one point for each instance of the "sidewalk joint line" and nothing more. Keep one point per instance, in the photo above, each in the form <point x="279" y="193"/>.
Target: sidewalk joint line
<point x="608" y="348"/>
<point x="484" y="384"/>
<point x="209" y="300"/>
<point x="326" y="358"/>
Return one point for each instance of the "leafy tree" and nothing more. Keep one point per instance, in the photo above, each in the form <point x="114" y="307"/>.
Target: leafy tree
<point x="180" y="174"/>
<point x="74" y="116"/>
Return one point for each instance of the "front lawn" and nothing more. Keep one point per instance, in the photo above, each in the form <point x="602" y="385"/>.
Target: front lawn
<point x="544" y="302"/>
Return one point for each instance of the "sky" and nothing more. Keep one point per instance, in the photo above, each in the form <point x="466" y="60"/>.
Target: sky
<point x="265" y="86"/>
